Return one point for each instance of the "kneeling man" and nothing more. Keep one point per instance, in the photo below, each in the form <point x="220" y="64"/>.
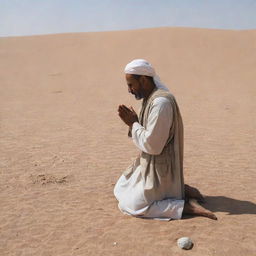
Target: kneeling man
<point x="153" y="185"/>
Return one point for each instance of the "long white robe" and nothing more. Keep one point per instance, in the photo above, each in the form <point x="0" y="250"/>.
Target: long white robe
<point x="130" y="191"/>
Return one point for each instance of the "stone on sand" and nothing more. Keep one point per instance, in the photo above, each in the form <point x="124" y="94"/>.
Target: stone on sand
<point x="185" y="243"/>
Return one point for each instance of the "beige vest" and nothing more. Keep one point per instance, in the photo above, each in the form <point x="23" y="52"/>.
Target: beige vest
<point x="162" y="174"/>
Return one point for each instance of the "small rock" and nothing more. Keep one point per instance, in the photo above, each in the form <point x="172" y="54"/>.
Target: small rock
<point x="185" y="243"/>
<point x="115" y="243"/>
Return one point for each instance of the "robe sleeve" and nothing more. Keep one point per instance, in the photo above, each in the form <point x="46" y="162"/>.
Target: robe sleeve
<point x="153" y="139"/>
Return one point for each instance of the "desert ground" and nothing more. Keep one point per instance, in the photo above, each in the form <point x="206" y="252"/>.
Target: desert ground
<point x="63" y="146"/>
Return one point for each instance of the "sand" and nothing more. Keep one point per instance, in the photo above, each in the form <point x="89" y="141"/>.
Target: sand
<point x="63" y="146"/>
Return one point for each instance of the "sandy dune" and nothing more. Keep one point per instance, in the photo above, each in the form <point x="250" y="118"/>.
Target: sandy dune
<point x="62" y="145"/>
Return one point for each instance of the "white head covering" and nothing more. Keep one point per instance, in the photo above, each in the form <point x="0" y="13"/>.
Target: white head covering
<point x="144" y="68"/>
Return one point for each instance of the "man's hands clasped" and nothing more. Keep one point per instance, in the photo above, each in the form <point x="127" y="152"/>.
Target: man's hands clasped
<point x="128" y="115"/>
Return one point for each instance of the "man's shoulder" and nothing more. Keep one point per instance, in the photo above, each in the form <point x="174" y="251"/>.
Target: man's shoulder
<point x="161" y="101"/>
<point x="161" y="104"/>
<point x="162" y="93"/>
<point x="162" y="96"/>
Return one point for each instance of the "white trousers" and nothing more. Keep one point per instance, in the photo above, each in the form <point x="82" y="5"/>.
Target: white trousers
<point x="130" y="194"/>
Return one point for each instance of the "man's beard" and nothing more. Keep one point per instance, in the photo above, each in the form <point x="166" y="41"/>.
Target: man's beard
<point x="138" y="96"/>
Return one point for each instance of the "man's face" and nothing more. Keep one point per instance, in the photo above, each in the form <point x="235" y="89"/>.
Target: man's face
<point x="134" y="86"/>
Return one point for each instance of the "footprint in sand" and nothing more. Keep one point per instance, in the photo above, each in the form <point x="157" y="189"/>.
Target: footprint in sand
<point x="45" y="179"/>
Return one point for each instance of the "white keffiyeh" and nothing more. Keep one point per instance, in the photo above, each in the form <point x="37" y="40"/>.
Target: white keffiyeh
<point x="144" y="68"/>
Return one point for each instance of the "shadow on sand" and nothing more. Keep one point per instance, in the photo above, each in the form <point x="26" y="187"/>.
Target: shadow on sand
<point x="229" y="205"/>
<point x="225" y="204"/>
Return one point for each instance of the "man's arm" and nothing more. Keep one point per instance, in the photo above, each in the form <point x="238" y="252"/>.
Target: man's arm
<point x="153" y="139"/>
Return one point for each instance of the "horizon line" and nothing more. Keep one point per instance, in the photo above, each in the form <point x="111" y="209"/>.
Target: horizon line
<point x="124" y="30"/>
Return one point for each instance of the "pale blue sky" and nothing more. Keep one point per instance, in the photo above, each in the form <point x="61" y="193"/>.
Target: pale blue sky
<point x="30" y="17"/>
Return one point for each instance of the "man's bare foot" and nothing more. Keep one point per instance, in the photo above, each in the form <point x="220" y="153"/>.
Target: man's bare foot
<point x="193" y="208"/>
<point x="191" y="192"/>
